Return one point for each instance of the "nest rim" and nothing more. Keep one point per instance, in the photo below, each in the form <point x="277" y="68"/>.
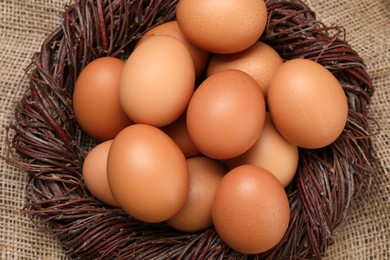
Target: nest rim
<point x="43" y="132"/>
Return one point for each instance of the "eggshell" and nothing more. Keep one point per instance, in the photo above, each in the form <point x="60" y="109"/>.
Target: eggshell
<point x="226" y="114"/>
<point x="147" y="173"/>
<point x="217" y="26"/>
<point x="250" y="211"/>
<point x="259" y="61"/>
<point x="307" y="103"/>
<point x="157" y="81"/>
<point x="95" y="173"/>
<point x="199" y="56"/>
<point x="96" y="99"/>
<point x="205" y="175"/>
<point x="271" y="152"/>
<point x="179" y="134"/>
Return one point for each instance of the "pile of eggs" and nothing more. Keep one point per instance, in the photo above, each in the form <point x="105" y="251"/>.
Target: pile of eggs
<point x="202" y="123"/>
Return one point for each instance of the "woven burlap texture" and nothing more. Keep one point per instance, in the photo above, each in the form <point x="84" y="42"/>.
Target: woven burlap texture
<point x="25" y="24"/>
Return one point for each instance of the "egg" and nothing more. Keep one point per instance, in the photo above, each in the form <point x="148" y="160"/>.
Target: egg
<point x="179" y="134"/>
<point x="147" y="173"/>
<point x="250" y="211"/>
<point x="227" y="26"/>
<point x="307" y="103"/>
<point x="157" y="81"/>
<point x="95" y="173"/>
<point x="271" y="152"/>
<point x="199" y="57"/>
<point x="259" y="61"/>
<point x="96" y="100"/>
<point x="205" y="176"/>
<point x="226" y="114"/>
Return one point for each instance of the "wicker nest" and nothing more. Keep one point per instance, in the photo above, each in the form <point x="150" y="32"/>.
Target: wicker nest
<point x="45" y="140"/>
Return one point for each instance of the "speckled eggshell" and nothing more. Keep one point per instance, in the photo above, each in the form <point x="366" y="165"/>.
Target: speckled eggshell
<point x="157" y="81"/>
<point x="205" y="176"/>
<point x="147" y="173"/>
<point x="250" y="211"/>
<point x="259" y="61"/>
<point x="96" y="100"/>
<point x="199" y="56"/>
<point x="307" y="103"/>
<point x="226" y="26"/>
<point x="179" y="133"/>
<point x="271" y="152"/>
<point x="95" y="173"/>
<point x="226" y="114"/>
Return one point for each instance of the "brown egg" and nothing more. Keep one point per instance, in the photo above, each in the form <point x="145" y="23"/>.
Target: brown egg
<point x="205" y="175"/>
<point x="226" y="114"/>
<point x="157" y="81"/>
<point x="271" y="152"/>
<point x="227" y="26"/>
<point x="96" y="99"/>
<point x="259" y="61"/>
<point x="200" y="57"/>
<point x="179" y="134"/>
<point x="147" y="173"/>
<point x="95" y="173"/>
<point x="307" y="104"/>
<point x="250" y="211"/>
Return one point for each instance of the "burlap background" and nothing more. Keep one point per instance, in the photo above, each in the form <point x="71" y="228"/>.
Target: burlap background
<point x="24" y="24"/>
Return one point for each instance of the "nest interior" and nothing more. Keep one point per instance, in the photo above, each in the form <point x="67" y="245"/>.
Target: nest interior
<point x="46" y="142"/>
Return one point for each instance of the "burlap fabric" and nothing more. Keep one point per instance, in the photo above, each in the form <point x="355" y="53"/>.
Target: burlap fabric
<point x="24" y="24"/>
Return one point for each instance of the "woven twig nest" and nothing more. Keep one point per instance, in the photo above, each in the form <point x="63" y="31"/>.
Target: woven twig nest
<point x="45" y="140"/>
